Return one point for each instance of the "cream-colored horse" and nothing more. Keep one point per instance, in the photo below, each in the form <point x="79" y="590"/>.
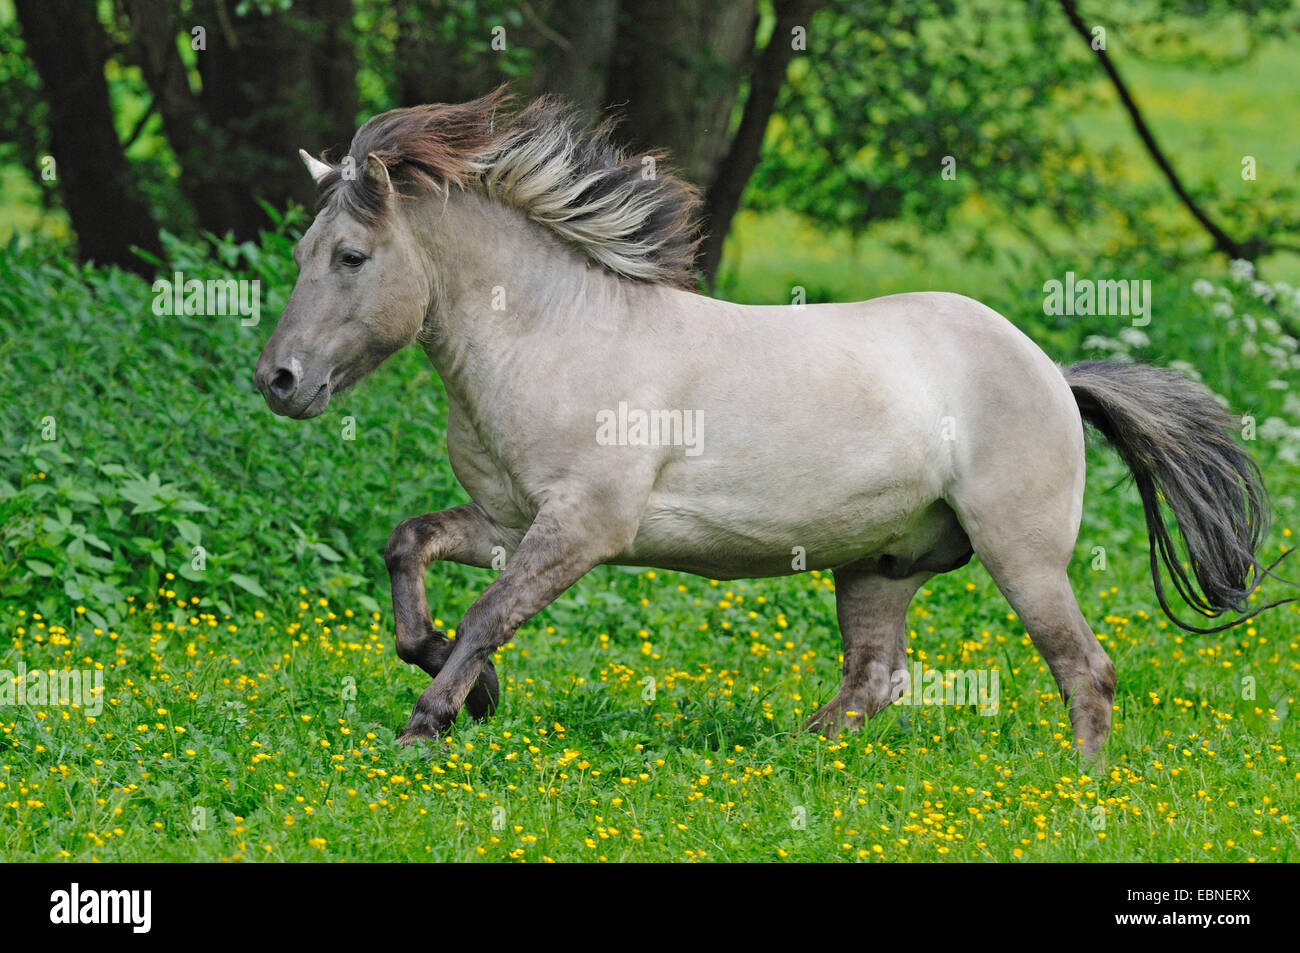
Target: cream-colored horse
<point x="603" y="412"/>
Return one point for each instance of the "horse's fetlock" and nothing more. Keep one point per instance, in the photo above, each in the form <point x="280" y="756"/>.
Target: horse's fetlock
<point x="1105" y="680"/>
<point x="410" y="652"/>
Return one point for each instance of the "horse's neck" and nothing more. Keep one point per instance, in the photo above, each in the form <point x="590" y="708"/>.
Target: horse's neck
<point x="503" y="282"/>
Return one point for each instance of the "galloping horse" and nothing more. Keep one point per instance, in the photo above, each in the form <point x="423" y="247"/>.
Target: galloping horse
<point x="547" y="276"/>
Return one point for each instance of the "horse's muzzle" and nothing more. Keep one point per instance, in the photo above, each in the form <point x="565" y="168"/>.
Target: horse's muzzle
<point x="283" y="387"/>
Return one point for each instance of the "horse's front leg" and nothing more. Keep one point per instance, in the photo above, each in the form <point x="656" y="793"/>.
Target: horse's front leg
<point x="462" y="534"/>
<point x="558" y="549"/>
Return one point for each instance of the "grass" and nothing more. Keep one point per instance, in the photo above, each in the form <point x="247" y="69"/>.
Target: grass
<point x="251" y="704"/>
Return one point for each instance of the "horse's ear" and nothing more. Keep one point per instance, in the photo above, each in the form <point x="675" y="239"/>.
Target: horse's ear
<point x="317" y="168"/>
<point x="377" y="172"/>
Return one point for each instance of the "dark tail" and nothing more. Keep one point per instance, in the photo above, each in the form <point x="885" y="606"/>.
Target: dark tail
<point x="1178" y="443"/>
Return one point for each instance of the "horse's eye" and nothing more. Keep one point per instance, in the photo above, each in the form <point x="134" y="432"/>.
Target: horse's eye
<point x="352" y="259"/>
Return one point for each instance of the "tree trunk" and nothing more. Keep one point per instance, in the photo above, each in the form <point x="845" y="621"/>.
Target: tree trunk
<point x="335" y="65"/>
<point x="573" y="56"/>
<point x="273" y="84"/>
<point x="675" y="73"/>
<point x="216" y="203"/>
<point x="722" y="200"/>
<point x="67" y="45"/>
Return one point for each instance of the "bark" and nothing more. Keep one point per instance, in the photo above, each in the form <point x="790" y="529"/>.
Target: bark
<point x="722" y="200"/>
<point x="335" y="66"/>
<point x="67" y="45"/>
<point x="573" y="56"/>
<point x="675" y="73"/>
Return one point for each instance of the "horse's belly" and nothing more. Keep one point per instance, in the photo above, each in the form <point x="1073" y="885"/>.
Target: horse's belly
<point x="738" y="533"/>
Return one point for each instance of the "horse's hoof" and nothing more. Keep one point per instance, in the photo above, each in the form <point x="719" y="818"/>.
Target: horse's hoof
<point x="407" y="738"/>
<point x="483" y="697"/>
<point x="423" y="726"/>
<point x="833" y="719"/>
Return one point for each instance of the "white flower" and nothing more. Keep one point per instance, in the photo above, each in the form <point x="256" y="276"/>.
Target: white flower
<point x="1221" y="309"/>
<point x="1202" y="288"/>
<point x="1134" y="337"/>
<point x="1262" y="290"/>
<point x="1096" y="342"/>
<point x="1241" y="270"/>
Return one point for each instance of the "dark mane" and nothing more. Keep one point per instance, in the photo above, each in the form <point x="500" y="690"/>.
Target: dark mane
<point x="631" y="214"/>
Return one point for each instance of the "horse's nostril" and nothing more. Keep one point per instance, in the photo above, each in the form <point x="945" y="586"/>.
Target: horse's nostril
<point x="284" y="383"/>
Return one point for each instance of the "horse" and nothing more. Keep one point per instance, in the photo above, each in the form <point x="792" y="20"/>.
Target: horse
<point x="603" y="411"/>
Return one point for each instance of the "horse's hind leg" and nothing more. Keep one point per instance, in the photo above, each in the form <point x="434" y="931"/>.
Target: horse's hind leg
<point x="1026" y="551"/>
<point x="1085" y="675"/>
<point x="872" y="613"/>
<point x="1017" y="490"/>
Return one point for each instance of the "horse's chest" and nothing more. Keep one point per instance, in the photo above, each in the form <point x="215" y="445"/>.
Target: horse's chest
<point x="485" y="477"/>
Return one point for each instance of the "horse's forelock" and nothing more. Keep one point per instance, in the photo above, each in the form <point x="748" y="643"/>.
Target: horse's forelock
<point x="425" y="147"/>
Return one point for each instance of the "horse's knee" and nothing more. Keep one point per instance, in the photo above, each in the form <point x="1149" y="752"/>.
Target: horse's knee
<point x="403" y="543"/>
<point x="483" y="629"/>
<point x="1104" y="677"/>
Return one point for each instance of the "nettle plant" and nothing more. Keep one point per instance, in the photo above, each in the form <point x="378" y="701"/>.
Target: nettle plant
<point x="69" y="540"/>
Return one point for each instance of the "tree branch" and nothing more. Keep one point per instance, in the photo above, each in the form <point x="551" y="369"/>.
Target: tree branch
<point x="1222" y="240"/>
<point x="140" y="124"/>
<point x="1251" y="249"/>
<point x="722" y="199"/>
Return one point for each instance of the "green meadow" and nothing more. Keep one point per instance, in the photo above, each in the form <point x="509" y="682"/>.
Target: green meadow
<point x="221" y="569"/>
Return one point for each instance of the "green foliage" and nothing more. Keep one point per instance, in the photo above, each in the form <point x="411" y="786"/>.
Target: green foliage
<point x="965" y="84"/>
<point x="181" y="398"/>
<point x="251" y="704"/>
<point x="22" y="109"/>
<point x="222" y="567"/>
<point x="984" y="117"/>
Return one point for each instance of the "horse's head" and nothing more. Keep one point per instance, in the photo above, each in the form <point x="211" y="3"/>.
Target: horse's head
<point x="361" y="295"/>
